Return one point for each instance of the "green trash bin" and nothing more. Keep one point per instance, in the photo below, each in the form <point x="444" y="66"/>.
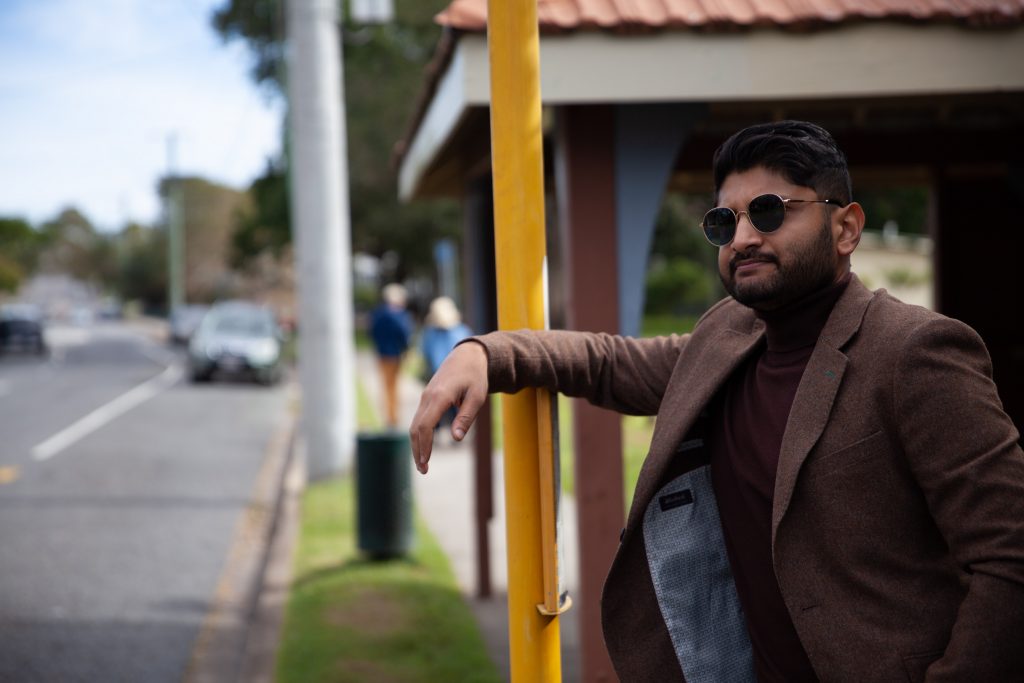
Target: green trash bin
<point x="384" y="494"/>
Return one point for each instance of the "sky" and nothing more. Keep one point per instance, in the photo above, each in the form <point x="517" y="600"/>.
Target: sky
<point x="92" y="91"/>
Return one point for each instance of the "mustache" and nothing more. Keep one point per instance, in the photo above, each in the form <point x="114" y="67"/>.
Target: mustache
<point x="750" y="255"/>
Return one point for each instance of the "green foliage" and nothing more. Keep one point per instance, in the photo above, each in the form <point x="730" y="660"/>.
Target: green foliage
<point x="384" y="72"/>
<point x="682" y="274"/>
<point x="69" y="244"/>
<point x="677" y="229"/>
<point x="20" y="245"/>
<point x="142" y="266"/>
<point x="11" y="275"/>
<point x="261" y="24"/>
<point x="265" y="224"/>
<point x="677" y="285"/>
<point x="908" y="206"/>
<point x="19" y="242"/>
<point x="906" y="277"/>
<point x="664" y="325"/>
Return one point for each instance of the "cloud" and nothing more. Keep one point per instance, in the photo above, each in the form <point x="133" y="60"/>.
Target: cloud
<point x="91" y="92"/>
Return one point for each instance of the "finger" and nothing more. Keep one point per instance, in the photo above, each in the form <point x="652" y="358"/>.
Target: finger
<point x="421" y="433"/>
<point x="467" y="413"/>
<point x="421" y="453"/>
<point x="414" y="441"/>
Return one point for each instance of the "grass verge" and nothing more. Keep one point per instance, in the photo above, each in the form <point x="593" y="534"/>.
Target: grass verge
<point x="351" y="620"/>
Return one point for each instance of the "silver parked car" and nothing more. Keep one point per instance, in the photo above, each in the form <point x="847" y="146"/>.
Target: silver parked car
<point x="236" y="338"/>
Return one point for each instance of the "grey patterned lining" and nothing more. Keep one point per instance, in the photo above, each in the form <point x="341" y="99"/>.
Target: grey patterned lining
<point x="693" y="581"/>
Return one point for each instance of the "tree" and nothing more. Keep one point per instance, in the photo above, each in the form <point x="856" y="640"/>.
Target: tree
<point x="142" y="266"/>
<point x="681" y="276"/>
<point x="383" y="73"/>
<point x="19" y="251"/>
<point x="264" y="226"/>
<point x="72" y="246"/>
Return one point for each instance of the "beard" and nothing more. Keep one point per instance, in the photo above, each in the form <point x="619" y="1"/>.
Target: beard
<point x="812" y="266"/>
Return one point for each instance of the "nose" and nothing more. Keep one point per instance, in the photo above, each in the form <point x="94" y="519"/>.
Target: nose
<point x="746" y="234"/>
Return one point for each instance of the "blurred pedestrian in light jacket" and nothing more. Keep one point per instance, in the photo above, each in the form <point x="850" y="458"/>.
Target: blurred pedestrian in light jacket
<point x="442" y="330"/>
<point x="391" y="328"/>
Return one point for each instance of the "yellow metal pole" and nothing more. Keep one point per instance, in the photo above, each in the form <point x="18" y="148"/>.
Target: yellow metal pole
<point x="518" y="172"/>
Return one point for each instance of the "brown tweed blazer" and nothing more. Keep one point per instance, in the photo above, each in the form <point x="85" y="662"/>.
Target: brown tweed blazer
<point x="898" y="522"/>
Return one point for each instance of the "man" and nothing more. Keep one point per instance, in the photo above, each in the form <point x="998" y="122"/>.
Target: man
<point x="833" y="491"/>
<point x="390" y="330"/>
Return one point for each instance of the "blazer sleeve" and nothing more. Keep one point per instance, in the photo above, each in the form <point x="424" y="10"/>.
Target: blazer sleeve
<point x="620" y="373"/>
<point x="964" y="452"/>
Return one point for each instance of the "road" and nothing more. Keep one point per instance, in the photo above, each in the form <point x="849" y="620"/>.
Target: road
<point x="121" y="488"/>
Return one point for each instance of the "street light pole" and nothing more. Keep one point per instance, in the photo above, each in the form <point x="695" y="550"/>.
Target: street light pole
<point x="175" y="212"/>
<point x="320" y="220"/>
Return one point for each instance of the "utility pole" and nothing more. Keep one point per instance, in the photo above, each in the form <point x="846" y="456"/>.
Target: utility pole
<point x="320" y="216"/>
<point x="175" y="211"/>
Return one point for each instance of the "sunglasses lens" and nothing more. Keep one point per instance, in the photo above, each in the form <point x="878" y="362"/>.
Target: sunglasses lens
<point x="719" y="226"/>
<point x="767" y="212"/>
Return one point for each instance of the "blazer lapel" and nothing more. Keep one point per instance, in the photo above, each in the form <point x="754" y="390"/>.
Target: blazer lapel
<point x="817" y="392"/>
<point x="690" y="390"/>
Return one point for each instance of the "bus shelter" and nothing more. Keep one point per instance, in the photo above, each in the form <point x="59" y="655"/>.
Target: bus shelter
<point x="638" y="95"/>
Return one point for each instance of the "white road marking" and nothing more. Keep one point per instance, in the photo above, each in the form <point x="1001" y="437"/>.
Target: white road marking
<point x="107" y="413"/>
<point x="5" y="387"/>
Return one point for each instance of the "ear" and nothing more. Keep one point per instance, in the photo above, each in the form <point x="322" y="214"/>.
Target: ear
<point x="849" y="222"/>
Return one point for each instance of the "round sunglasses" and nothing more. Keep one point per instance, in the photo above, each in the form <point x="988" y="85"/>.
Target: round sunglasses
<point x="765" y="212"/>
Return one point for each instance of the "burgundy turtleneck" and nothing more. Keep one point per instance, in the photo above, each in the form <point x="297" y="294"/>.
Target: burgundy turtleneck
<point x="748" y="420"/>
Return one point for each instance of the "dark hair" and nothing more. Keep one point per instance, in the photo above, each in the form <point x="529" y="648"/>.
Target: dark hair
<point x="804" y="153"/>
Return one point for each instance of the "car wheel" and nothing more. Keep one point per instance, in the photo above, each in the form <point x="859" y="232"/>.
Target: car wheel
<point x="199" y="377"/>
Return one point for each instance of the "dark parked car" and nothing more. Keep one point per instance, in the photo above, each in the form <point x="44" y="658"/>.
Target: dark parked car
<point x="237" y="338"/>
<point x="21" y="328"/>
<point x="184" y="320"/>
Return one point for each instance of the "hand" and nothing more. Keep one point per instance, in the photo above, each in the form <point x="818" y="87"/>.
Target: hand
<point x="460" y="381"/>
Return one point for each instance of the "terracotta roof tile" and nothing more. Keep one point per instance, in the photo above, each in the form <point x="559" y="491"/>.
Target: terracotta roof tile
<point x="563" y="15"/>
<point x="687" y="13"/>
<point x="601" y="13"/>
<point x="646" y="15"/>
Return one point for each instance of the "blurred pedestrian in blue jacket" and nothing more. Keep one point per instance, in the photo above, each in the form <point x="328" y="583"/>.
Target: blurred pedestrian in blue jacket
<point x="390" y="329"/>
<point x="442" y="330"/>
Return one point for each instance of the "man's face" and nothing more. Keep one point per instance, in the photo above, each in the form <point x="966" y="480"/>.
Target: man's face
<point x="767" y="271"/>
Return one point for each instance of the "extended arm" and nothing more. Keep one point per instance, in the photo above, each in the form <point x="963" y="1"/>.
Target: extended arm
<point x="624" y="374"/>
